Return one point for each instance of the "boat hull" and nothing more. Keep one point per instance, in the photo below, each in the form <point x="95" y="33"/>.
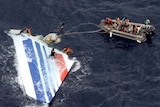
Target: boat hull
<point x="139" y="37"/>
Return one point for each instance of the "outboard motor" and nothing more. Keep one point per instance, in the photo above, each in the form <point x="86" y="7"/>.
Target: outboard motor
<point x="148" y="28"/>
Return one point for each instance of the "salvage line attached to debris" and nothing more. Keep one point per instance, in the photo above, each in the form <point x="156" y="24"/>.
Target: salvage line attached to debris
<point x="72" y="33"/>
<point x="85" y="32"/>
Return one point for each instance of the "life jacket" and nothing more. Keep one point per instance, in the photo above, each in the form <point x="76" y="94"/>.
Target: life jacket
<point x="126" y="23"/>
<point x="135" y="29"/>
<point x="108" y="21"/>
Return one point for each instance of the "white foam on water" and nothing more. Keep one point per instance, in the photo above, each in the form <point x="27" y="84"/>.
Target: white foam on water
<point x="36" y="105"/>
<point x="77" y="65"/>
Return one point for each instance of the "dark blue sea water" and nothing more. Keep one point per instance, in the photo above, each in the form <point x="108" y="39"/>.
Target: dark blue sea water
<point x="114" y="72"/>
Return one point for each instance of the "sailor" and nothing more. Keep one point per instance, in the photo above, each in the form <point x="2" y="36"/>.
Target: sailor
<point x="126" y="22"/>
<point x="108" y="21"/>
<point x="52" y="37"/>
<point x="26" y="30"/>
<point x="147" y="22"/>
<point x="117" y="24"/>
<point x="135" y="29"/>
<point x="67" y="50"/>
<point x="127" y="26"/>
<point x="148" y="32"/>
<point x="52" y="52"/>
<point x="55" y="37"/>
<point x="60" y="30"/>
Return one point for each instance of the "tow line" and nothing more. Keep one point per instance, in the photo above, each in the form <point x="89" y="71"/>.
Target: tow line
<point x="85" y="32"/>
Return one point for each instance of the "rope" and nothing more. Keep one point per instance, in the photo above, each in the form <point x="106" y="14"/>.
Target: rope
<point x="94" y="31"/>
<point x="85" y="32"/>
<point x="81" y="24"/>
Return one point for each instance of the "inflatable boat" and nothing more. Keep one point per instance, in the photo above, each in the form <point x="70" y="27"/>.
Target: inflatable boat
<point x="124" y="28"/>
<point x="41" y="75"/>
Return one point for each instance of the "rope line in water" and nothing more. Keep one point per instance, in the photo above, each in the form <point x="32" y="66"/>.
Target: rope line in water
<point x="94" y="31"/>
<point x="85" y="32"/>
<point x="81" y="24"/>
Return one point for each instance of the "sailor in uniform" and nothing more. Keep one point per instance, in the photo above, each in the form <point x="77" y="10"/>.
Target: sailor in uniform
<point x="117" y="24"/>
<point x="67" y="50"/>
<point x="51" y="37"/>
<point x="26" y="30"/>
<point x="54" y="37"/>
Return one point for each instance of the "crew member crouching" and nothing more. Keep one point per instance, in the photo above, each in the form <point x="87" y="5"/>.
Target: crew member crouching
<point x="26" y="30"/>
<point x="108" y="21"/>
<point x="67" y="50"/>
<point x="52" y="37"/>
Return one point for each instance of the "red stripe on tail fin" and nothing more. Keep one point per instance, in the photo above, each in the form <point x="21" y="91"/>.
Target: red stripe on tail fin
<point x="61" y="66"/>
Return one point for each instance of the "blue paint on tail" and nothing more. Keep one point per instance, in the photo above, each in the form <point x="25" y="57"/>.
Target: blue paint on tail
<point x="33" y="66"/>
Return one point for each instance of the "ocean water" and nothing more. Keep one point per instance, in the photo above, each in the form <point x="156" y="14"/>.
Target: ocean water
<point x="114" y="72"/>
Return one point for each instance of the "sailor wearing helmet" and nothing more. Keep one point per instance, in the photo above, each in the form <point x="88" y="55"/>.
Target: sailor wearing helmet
<point x="54" y="37"/>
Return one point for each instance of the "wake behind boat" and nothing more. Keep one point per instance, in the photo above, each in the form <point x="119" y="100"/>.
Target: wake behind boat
<point x="41" y="74"/>
<point x="130" y="30"/>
